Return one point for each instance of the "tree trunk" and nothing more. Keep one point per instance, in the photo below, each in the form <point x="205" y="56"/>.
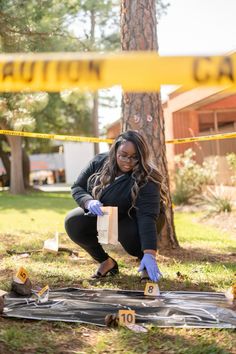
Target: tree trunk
<point x="26" y="168"/>
<point x="5" y="160"/>
<point x="95" y="94"/>
<point x="143" y="111"/>
<point x="17" y="181"/>
<point x="95" y="121"/>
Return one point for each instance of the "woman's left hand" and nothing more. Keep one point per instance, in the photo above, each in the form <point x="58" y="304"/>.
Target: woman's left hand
<point x="149" y="263"/>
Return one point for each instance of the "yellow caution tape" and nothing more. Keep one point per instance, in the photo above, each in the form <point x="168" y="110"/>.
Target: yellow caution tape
<point x="202" y="138"/>
<point x="56" y="137"/>
<point x="110" y="141"/>
<point x="134" y="71"/>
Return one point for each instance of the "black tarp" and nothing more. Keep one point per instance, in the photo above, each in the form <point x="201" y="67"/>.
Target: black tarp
<point x="169" y="309"/>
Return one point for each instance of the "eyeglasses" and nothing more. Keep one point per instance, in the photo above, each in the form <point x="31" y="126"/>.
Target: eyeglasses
<point x="132" y="160"/>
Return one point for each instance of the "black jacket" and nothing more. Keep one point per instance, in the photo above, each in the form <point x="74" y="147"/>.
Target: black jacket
<point x="118" y="194"/>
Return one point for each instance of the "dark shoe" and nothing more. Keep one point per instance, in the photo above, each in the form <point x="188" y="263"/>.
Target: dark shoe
<point x="144" y="276"/>
<point x="112" y="271"/>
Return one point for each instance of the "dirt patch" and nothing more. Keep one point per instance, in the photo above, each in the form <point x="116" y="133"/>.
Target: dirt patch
<point x="191" y="254"/>
<point x="224" y="221"/>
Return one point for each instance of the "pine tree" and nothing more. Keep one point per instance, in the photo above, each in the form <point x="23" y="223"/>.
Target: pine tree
<point x="143" y="111"/>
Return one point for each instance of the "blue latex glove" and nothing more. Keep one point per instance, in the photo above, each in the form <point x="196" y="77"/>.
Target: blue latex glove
<point x="94" y="207"/>
<point x="149" y="263"/>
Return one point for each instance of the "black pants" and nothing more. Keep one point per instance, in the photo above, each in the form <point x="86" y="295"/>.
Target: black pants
<point x="82" y="229"/>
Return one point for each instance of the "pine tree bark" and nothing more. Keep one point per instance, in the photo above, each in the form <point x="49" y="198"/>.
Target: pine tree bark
<point x="17" y="181"/>
<point x="95" y="121"/>
<point x="95" y="94"/>
<point x="143" y="111"/>
<point x="26" y="168"/>
<point x="5" y="160"/>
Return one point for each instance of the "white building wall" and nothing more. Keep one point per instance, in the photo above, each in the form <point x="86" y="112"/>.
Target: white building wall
<point x="76" y="157"/>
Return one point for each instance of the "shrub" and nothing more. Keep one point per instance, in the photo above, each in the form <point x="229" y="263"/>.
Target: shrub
<point x="231" y="160"/>
<point x="190" y="177"/>
<point x="217" y="200"/>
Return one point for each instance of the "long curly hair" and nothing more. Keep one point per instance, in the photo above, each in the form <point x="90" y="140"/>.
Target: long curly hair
<point x="142" y="172"/>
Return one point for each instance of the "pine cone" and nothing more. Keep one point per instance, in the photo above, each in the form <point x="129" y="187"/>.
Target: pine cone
<point x="111" y="320"/>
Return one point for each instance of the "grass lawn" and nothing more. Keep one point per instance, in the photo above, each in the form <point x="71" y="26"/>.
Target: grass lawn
<point x="206" y="261"/>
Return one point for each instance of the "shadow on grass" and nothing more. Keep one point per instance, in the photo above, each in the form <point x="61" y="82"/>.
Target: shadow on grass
<point x="59" y="337"/>
<point x="132" y="282"/>
<point x="193" y="254"/>
<point x="21" y="336"/>
<point x="61" y="202"/>
<point x="173" y="340"/>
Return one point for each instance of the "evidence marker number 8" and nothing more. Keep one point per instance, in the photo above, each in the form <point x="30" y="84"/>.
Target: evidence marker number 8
<point x="151" y="289"/>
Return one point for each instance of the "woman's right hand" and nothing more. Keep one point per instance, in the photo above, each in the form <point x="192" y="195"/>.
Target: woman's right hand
<point x="94" y="207"/>
<point x="149" y="263"/>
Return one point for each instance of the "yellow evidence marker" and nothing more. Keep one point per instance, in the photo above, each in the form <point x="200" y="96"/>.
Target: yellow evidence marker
<point x="43" y="290"/>
<point x="151" y="289"/>
<point x="126" y="317"/>
<point x="21" y="275"/>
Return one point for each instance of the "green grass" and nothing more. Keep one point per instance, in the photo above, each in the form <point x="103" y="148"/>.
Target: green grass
<point x="36" y="212"/>
<point x="204" y="262"/>
<point x="198" y="235"/>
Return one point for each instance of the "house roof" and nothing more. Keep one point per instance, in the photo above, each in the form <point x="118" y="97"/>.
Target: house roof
<point x="226" y="101"/>
<point x="196" y="98"/>
<point x="113" y="123"/>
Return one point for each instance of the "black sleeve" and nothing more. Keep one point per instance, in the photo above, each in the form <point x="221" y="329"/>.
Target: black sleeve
<point x="79" y="189"/>
<point x="148" y="204"/>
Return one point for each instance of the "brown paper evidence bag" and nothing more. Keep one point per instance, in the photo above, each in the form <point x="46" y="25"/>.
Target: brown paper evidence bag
<point x="107" y="226"/>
